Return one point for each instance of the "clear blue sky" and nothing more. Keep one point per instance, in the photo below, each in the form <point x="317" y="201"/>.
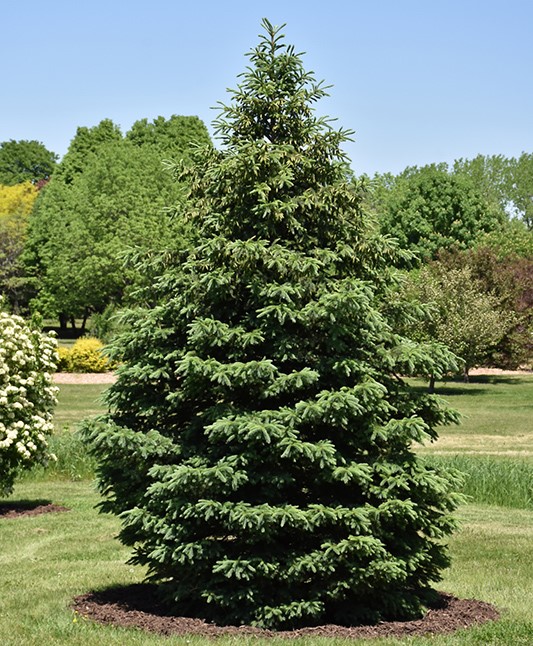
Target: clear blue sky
<point x="420" y="81"/>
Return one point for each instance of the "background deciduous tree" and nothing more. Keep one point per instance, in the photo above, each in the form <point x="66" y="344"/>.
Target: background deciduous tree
<point x="109" y="194"/>
<point x="502" y="269"/>
<point x="464" y="316"/>
<point x="490" y="174"/>
<point x="16" y="203"/>
<point x="430" y="209"/>
<point x="171" y="138"/>
<point x="521" y="187"/>
<point x="508" y="181"/>
<point x="53" y="226"/>
<point x="25" y="161"/>
<point x="512" y="240"/>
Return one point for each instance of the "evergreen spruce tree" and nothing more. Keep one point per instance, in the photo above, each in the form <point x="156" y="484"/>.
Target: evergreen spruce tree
<point x="259" y="441"/>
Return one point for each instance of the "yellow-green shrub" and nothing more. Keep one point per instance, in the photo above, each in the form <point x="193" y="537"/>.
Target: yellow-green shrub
<point x="85" y="356"/>
<point x="63" y="355"/>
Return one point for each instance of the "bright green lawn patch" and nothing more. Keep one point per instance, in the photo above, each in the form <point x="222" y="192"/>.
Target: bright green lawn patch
<point x="497" y="417"/>
<point x="47" y="560"/>
<point x="76" y="401"/>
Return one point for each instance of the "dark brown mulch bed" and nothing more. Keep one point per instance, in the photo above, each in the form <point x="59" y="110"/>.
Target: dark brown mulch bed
<point x="28" y="508"/>
<point x="136" y="606"/>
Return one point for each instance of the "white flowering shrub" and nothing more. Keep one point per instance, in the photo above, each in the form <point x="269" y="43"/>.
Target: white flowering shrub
<point x="27" y="397"/>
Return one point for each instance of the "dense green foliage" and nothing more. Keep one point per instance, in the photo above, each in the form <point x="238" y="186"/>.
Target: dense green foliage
<point x="521" y="188"/>
<point x="502" y="277"/>
<point x="109" y="195"/>
<point x="506" y="181"/>
<point x="439" y="207"/>
<point x="23" y="161"/>
<point x="83" y="148"/>
<point x="511" y="241"/>
<point x="171" y="138"/>
<point x="258" y="446"/>
<point x="430" y="209"/>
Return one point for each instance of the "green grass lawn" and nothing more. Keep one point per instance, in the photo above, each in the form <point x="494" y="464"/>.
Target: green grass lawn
<point x="47" y="560"/>
<point x="497" y="417"/>
<point x="76" y="401"/>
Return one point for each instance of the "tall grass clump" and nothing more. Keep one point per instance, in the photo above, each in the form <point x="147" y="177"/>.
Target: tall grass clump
<point x="73" y="461"/>
<point x="491" y="480"/>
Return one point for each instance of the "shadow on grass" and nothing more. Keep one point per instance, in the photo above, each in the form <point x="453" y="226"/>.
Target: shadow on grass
<point x="459" y="388"/>
<point x="22" y="504"/>
<point x="493" y="379"/>
<point x="475" y="385"/>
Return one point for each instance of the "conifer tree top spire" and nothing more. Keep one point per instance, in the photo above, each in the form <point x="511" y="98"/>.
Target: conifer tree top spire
<point x="274" y="101"/>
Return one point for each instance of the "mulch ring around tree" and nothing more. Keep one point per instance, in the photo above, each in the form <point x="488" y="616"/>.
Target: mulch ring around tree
<point x="136" y="606"/>
<point x="20" y="508"/>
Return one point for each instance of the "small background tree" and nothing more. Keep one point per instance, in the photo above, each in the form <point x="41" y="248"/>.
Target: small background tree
<point x="16" y="203"/>
<point x="259" y="444"/>
<point x="462" y="315"/>
<point x="25" y="161"/>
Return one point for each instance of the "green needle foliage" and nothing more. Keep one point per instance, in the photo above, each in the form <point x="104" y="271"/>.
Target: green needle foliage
<point x="258" y="446"/>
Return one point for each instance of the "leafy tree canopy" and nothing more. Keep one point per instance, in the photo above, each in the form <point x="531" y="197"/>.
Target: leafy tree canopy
<point x="173" y="138"/>
<point x="258" y="447"/>
<point x="83" y="146"/>
<point x="429" y="209"/>
<point x="109" y="194"/>
<point x="512" y="240"/>
<point x="521" y="187"/>
<point x="17" y="199"/>
<point x="508" y="181"/>
<point x="25" y="161"/>
<point x="464" y="316"/>
<point x="503" y="278"/>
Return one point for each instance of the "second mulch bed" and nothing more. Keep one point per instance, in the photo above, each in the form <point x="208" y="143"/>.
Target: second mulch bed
<point x="28" y="508"/>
